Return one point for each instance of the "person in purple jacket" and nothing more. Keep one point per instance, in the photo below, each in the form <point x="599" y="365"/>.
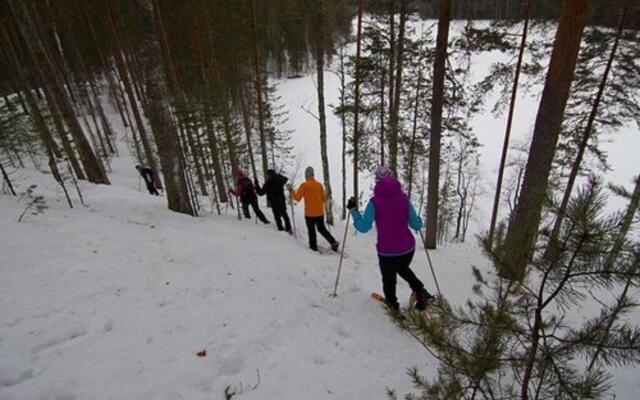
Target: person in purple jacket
<point x="393" y="214"/>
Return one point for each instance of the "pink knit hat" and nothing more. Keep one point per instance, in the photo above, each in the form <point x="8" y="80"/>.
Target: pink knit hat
<point x="383" y="172"/>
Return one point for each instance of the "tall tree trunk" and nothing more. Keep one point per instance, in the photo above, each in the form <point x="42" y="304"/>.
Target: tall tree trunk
<point x="439" y="68"/>
<point x="51" y="81"/>
<point x="34" y="113"/>
<point x="106" y="69"/>
<point x="181" y="104"/>
<point x="356" y="105"/>
<point x="247" y="128"/>
<point x="196" y="153"/>
<point x="586" y="136"/>
<point x="163" y="127"/>
<point x="383" y="79"/>
<point x="126" y="81"/>
<point x="223" y="100"/>
<point x="343" y="121"/>
<point x="524" y="226"/>
<point x="625" y="226"/>
<point x="215" y="152"/>
<point x="322" y="119"/>
<point x="395" y="115"/>
<point x="414" y="131"/>
<point x="258" y="83"/>
<point x="507" y="134"/>
<point x="392" y="55"/>
<point x="5" y="176"/>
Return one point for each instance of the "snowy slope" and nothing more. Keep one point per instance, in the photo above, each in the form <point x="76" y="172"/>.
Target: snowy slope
<point x="114" y="301"/>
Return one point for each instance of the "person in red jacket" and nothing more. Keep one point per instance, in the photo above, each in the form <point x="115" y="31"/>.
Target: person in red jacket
<point x="245" y="190"/>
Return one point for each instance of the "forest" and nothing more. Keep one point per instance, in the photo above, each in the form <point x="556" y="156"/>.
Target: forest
<point x="194" y="83"/>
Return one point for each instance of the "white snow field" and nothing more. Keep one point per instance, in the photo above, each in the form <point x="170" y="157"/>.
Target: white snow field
<point x="113" y="301"/>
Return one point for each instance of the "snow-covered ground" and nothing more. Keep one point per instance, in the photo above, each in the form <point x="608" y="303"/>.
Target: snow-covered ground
<point x="113" y="301"/>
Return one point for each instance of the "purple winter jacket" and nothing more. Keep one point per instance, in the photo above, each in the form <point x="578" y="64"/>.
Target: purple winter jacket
<point x="393" y="214"/>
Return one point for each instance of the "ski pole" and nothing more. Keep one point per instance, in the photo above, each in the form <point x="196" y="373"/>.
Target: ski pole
<point x="430" y="265"/>
<point x="293" y="217"/>
<point x="344" y="240"/>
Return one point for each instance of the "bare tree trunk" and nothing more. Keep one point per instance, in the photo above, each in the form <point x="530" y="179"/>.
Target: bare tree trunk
<point x="382" y="114"/>
<point x="215" y="156"/>
<point x="392" y="55"/>
<point x="6" y="179"/>
<point x="395" y="115"/>
<point x="586" y="135"/>
<point x="126" y="81"/>
<point x="322" y="119"/>
<point x="343" y="121"/>
<point x="34" y="113"/>
<point x="196" y="153"/>
<point x="52" y="82"/>
<point x="625" y="226"/>
<point x="258" y="83"/>
<point x="226" y="123"/>
<point x="436" y="124"/>
<point x="163" y="127"/>
<point x="505" y="146"/>
<point x="524" y="226"/>
<point x="356" y="106"/>
<point x="115" y="91"/>
<point x="414" y="131"/>
<point x="247" y="129"/>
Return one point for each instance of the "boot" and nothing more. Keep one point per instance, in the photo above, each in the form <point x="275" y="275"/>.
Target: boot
<point x="423" y="299"/>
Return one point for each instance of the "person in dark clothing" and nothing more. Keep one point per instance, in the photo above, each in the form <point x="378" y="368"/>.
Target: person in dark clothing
<point x="245" y="190"/>
<point x="147" y="175"/>
<point x="274" y="189"/>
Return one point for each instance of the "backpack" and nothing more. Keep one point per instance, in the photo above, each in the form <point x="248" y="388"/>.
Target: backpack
<point x="247" y="188"/>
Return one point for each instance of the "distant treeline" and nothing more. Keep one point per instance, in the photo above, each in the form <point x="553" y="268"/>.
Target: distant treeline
<point x="602" y="11"/>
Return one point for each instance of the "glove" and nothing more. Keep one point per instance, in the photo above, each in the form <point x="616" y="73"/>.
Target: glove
<point x="351" y="204"/>
<point x="290" y="187"/>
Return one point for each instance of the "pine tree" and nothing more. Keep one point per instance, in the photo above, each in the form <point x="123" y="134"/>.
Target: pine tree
<point x="436" y="123"/>
<point x="524" y="226"/>
<point x="523" y="340"/>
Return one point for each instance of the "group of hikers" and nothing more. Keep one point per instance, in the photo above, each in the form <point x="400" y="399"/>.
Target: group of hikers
<point x="389" y="208"/>
<point x="310" y="190"/>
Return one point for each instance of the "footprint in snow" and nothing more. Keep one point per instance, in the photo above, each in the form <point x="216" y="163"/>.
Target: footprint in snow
<point x="341" y="331"/>
<point x="7" y="380"/>
<point x="60" y="340"/>
<point x="230" y="366"/>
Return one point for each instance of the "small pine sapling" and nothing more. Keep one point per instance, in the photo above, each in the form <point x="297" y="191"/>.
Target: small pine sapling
<point x="35" y="202"/>
<point x="555" y="334"/>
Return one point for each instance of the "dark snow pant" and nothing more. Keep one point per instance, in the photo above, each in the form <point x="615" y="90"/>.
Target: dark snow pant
<point x="152" y="188"/>
<point x="280" y="214"/>
<point x="256" y="209"/>
<point x="390" y="266"/>
<point x="314" y="223"/>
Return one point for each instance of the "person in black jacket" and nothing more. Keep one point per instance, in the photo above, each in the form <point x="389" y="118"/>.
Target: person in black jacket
<point x="274" y="189"/>
<point x="147" y="175"/>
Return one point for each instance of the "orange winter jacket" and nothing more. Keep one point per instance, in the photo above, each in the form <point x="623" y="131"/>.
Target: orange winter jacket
<point x="313" y="194"/>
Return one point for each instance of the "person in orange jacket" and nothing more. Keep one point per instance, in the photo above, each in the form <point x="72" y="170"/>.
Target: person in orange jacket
<point x="312" y="192"/>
